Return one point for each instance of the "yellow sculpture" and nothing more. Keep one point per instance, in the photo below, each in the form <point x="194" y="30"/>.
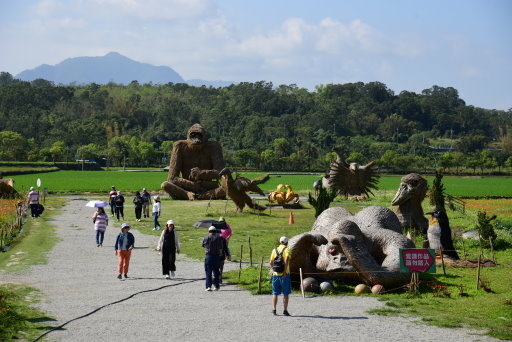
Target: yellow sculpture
<point x="283" y="195"/>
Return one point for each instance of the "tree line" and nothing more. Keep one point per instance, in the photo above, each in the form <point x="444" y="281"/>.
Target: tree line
<point x="259" y="125"/>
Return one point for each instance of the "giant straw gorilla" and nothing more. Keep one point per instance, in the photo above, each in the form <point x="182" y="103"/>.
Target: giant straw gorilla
<point x="199" y="162"/>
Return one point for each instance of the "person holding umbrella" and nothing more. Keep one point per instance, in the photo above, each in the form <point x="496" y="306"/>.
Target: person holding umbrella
<point x="100" y="220"/>
<point x="168" y="244"/>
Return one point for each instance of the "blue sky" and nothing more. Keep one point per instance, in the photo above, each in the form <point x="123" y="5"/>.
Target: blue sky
<point x="408" y="45"/>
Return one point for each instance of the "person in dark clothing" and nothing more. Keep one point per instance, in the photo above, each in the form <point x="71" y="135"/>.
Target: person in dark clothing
<point x="119" y="205"/>
<point x="138" y="201"/>
<point x="169" y="245"/>
<point x="111" y="200"/>
<point x="215" y="248"/>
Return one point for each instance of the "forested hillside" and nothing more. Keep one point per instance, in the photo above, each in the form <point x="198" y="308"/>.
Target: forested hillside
<point x="259" y="125"/>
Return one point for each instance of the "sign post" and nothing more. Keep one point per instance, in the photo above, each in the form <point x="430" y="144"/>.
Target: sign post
<point x="416" y="260"/>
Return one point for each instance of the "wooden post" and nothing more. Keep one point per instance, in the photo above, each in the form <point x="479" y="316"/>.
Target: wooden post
<point x="492" y="250"/>
<point x="259" y="278"/>
<point x="250" y="252"/>
<point x="240" y="263"/>
<point x="478" y="274"/>
<point x="442" y="263"/>
<point x="301" y="285"/>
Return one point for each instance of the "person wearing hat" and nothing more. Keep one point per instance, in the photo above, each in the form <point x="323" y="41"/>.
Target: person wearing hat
<point x="146" y="201"/>
<point x="168" y="244"/>
<point x="156" y="212"/>
<point x="281" y="280"/>
<point x="33" y="201"/>
<point x="124" y="244"/>
<point x="215" y="247"/>
<point x="112" y="200"/>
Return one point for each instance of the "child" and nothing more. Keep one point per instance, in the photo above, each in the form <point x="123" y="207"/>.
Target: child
<point x="156" y="212"/>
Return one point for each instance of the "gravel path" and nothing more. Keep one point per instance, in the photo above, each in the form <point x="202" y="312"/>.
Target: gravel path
<point x="80" y="278"/>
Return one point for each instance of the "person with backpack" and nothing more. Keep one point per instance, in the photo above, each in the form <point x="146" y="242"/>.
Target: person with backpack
<point x="33" y="201"/>
<point x="215" y="247"/>
<point x="281" y="280"/>
<point x="119" y="205"/>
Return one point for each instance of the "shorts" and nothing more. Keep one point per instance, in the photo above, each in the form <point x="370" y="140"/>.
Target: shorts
<point x="280" y="285"/>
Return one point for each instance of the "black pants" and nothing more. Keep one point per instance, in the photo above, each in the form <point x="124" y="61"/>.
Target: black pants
<point x="120" y="211"/>
<point x="113" y="208"/>
<point x="138" y="212"/>
<point x="168" y="260"/>
<point x="34" y="210"/>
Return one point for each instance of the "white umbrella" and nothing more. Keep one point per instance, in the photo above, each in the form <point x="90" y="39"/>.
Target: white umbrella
<point x="96" y="204"/>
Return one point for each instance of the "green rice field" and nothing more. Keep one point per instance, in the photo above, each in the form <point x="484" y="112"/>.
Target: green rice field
<point x="101" y="181"/>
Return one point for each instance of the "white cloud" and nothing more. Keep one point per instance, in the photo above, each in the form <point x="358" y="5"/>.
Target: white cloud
<point x="151" y="9"/>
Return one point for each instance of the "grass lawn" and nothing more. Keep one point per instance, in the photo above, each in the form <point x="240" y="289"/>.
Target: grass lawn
<point x="130" y="181"/>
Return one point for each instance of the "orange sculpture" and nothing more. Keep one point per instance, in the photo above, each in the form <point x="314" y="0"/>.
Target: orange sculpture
<point x="283" y="194"/>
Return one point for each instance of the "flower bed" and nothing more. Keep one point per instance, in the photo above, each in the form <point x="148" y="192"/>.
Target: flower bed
<point x="9" y="223"/>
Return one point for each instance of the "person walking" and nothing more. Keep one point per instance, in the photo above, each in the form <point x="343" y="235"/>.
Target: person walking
<point x="138" y="202"/>
<point x="119" y="205"/>
<point x="169" y="245"/>
<point x="100" y="220"/>
<point x="281" y="280"/>
<point x="146" y="197"/>
<point x="33" y="201"/>
<point x="112" y="200"/>
<point x="225" y="233"/>
<point x="123" y="249"/>
<point x="156" y="213"/>
<point x="214" y="247"/>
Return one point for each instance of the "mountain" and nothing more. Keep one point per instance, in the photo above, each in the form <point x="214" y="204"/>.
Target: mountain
<point x="113" y="67"/>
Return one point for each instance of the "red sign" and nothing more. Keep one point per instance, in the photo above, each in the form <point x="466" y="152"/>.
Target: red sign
<point x="417" y="260"/>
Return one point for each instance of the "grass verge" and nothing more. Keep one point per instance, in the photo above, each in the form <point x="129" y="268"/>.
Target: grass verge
<point x="19" y="318"/>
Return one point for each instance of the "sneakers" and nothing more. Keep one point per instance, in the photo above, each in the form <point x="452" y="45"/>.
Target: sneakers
<point x="119" y="276"/>
<point x="172" y="274"/>
<point x="98" y="245"/>
<point x="216" y="288"/>
<point x="167" y="276"/>
<point x="208" y="289"/>
<point x="154" y="228"/>
<point x="125" y="276"/>
<point x="286" y="313"/>
<point x="274" y="312"/>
